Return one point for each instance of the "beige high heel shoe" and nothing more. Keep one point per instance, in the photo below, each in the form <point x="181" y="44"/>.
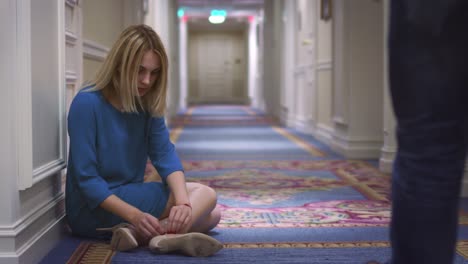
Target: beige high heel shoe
<point x="190" y="244"/>
<point x="122" y="237"/>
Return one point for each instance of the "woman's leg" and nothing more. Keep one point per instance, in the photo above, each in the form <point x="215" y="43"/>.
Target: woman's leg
<point x="205" y="215"/>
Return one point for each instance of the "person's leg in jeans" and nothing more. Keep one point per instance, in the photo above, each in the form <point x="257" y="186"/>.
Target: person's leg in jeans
<point x="428" y="80"/>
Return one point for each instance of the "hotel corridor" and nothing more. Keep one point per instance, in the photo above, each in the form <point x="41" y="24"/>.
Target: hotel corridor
<point x="285" y="197"/>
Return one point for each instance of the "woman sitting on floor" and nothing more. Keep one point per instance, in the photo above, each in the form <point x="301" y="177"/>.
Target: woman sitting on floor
<point x="114" y="125"/>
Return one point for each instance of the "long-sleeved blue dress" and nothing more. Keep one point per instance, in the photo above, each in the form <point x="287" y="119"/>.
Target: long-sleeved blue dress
<point x="107" y="155"/>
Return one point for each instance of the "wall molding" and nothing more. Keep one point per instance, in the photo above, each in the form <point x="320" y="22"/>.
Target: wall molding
<point x="305" y="125"/>
<point x="214" y="100"/>
<point x="35" y="234"/>
<point x="71" y="77"/>
<point x="324" y="133"/>
<point x="94" y="51"/>
<point x="324" y="65"/>
<point x="301" y="69"/>
<point x="357" y="147"/>
<point x="339" y="120"/>
<point x="50" y="168"/>
<point x="23" y="97"/>
<point x="387" y="158"/>
<point x="24" y="222"/>
<point x="72" y="3"/>
<point x="70" y="38"/>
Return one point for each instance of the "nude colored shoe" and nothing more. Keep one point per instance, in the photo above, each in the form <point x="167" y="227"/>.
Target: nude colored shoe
<point x="190" y="244"/>
<point x="122" y="237"/>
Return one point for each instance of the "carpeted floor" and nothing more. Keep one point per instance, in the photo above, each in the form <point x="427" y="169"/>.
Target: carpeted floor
<point x="285" y="197"/>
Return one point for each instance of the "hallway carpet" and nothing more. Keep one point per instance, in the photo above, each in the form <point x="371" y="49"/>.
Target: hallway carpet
<point x="284" y="196"/>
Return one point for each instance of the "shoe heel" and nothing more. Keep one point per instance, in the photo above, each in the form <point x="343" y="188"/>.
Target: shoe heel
<point x="122" y="237"/>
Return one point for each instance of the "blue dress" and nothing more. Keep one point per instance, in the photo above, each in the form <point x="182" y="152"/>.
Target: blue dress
<point x="107" y="155"/>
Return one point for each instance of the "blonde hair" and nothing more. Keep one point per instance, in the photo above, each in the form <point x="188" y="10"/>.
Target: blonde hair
<point x="118" y="74"/>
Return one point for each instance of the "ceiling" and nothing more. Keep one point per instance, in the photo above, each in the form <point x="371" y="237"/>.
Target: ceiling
<point x="233" y="7"/>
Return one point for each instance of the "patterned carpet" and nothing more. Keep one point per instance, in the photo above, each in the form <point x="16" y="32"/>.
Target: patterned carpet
<point x="285" y="197"/>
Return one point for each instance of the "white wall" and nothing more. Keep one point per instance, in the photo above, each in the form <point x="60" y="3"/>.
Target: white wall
<point x="102" y="24"/>
<point x="31" y="195"/>
<point x="43" y="65"/>
<point x="358" y="74"/>
<point x="252" y="59"/>
<point x="162" y="17"/>
<point x="272" y="56"/>
<point x="324" y="74"/>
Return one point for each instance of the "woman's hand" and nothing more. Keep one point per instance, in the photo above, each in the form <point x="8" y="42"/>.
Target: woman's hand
<point x="147" y="225"/>
<point x="179" y="218"/>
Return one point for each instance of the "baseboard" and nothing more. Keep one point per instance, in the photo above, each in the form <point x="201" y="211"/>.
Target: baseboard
<point x="305" y="126"/>
<point x="386" y="159"/>
<point x="31" y="238"/>
<point x="357" y="148"/>
<point x="214" y="101"/>
<point x="324" y="134"/>
<point x="44" y="243"/>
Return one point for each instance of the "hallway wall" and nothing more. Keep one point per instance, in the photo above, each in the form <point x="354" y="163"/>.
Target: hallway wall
<point x="102" y="24"/>
<point x="48" y="48"/>
<point x="272" y="57"/>
<point x="357" y="76"/>
<point x="32" y="147"/>
<point x="324" y="77"/>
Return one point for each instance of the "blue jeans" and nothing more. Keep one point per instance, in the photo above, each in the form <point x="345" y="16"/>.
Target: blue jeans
<point x="428" y="63"/>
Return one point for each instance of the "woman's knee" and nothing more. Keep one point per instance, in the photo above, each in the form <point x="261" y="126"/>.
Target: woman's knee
<point x="216" y="216"/>
<point x="209" y="194"/>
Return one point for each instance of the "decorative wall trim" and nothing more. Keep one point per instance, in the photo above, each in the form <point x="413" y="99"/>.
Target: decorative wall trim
<point x="301" y="69"/>
<point x="324" y="133"/>
<point x="324" y="65"/>
<point x="234" y="100"/>
<point x="305" y="125"/>
<point x="71" y="77"/>
<point x="357" y="147"/>
<point x="339" y="120"/>
<point x="49" y="169"/>
<point x="94" y="51"/>
<point x="21" y="224"/>
<point x="23" y="109"/>
<point x="341" y="59"/>
<point x="70" y="38"/>
<point x="35" y="234"/>
<point x="386" y="159"/>
<point x="283" y="115"/>
<point x="72" y="3"/>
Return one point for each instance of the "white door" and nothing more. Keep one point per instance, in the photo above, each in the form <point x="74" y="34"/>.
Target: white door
<point x="217" y="67"/>
<point x="214" y="67"/>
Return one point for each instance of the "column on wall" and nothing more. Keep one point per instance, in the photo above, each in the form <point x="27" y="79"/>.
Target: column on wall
<point x="272" y="58"/>
<point x="389" y="147"/>
<point x="183" y="62"/>
<point x="252" y="60"/>
<point x="358" y="74"/>
<point x="162" y="18"/>
<point x="324" y="73"/>
<point x="33" y="136"/>
<point x="259" y="96"/>
<point x="288" y="95"/>
<point x="304" y="68"/>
